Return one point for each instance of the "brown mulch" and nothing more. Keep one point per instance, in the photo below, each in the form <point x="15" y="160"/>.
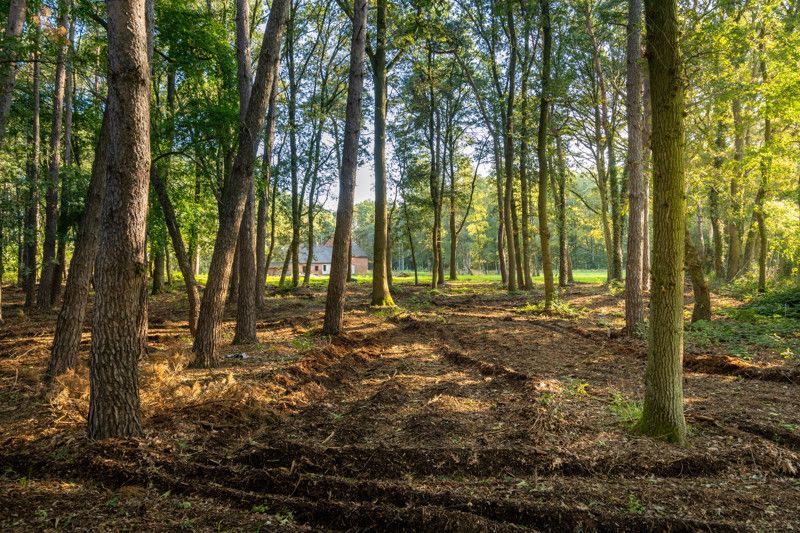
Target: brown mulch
<point x="457" y="412"/>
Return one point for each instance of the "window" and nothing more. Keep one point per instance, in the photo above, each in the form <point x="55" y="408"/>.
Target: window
<point x="316" y="268"/>
<point x="325" y="268"/>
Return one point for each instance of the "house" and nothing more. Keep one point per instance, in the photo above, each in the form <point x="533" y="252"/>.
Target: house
<point x="321" y="261"/>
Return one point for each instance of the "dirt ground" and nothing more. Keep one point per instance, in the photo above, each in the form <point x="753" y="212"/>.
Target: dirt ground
<point x="463" y="410"/>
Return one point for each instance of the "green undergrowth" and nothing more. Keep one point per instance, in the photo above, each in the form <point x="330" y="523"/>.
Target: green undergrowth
<point x="768" y="322"/>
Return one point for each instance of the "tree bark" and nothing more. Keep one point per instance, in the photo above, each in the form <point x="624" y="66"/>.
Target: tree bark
<point x="120" y="275"/>
<point x="337" y="284"/>
<point x="31" y="236"/>
<point x="634" y="305"/>
<point x="508" y="154"/>
<point x="662" y="413"/>
<point x="246" y="303"/>
<point x="234" y="194"/>
<point x="380" y="284"/>
<point x="45" y="293"/>
<point x="541" y="148"/>
<point x="694" y="266"/>
<point x="264" y="204"/>
<point x="734" y="262"/>
<point x="8" y="70"/>
<point x="66" y="341"/>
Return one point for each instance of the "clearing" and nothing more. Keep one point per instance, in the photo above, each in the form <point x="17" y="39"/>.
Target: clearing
<point x="465" y="409"/>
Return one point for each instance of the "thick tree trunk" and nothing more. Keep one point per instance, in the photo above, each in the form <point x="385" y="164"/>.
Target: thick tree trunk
<point x="662" y="414"/>
<point x="541" y="148"/>
<point x="634" y="305"/>
<point x="337" y="285"/>
<point x="121" y="267"/>
<point x="380" y="284"/>
<point x="647" y="160"/>
<point x="234" y="194"/>
<point x="8" y="69"/>
<point x="694" y="266"/>
<point x="66" y="341"/>
<point x="45" y="293"/>
<point x="31" y="236"/>
<point x="523" y="179"/>
<point x="765" y="171"/>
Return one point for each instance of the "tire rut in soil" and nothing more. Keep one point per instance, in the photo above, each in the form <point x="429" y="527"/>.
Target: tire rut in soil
<point x="338" y="503"/>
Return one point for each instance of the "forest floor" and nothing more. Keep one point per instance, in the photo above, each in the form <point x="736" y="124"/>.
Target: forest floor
<point x="464" y="409"/>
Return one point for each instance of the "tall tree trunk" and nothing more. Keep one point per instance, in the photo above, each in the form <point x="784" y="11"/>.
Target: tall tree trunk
<point x="246" y="302"/>
<point x="634" y="305"/>
<point x="647" y="125"/>
<point x="31" y="236"/>
<point x="294" y="246"/>
<point x="337" y="284"/>
<point x="66" y="341"/>
<point x="662" y="414"/>
<point x="380" y="284"/>
<point x="563" y="250"/>
<point x="541" y="148"/>
<point x="121" y="267"/>
<point x="234" y="194"/>
<point x="8" y="69"/>
<point x="264" y="203"/>
<point x="411" y="244"/>
<point x="764" y="182"/>
<point x="523" y="177"/>
<point x="694" y="266"/>
<point x="734" y="264"/>
<point x="508" y="154"/>
<point x="63" y="220"/>
<point x="45" y="294"/>
<point x="452" y="221"/>
<point x="184" y="259"/>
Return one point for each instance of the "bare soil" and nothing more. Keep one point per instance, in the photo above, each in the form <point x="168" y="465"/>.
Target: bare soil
<point x="460" y="411"/>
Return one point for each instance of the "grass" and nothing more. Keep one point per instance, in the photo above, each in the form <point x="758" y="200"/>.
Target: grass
<point x="628" y="412"/>
<point x="768" y="322"/>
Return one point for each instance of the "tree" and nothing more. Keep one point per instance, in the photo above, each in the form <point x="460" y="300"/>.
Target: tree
<point x="120" y="275"/>
<point x="234" y="193"/>
<point x="67" y="336"/>
<point x="637" y="201"/>
<point x="8" y="70"/>
<point x="337" y="284"/>
<point x="45" y="293"/>
<point x="541" y="149"/>
<point x="662" y="414"/>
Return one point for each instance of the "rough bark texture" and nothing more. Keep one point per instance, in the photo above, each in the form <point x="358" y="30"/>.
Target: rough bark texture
<point x="67" y="338"/>
<point x="694" y="266"/>
<point x="8" y="69"/>
<point x="564" y="270"/>
<point x="120" y="275"/>
<point x="541" y="148"/>
<point x="234" y="194"/>
<point x="647" y="128"/>
<point x="31" y="236"/>
<point x="634" y="305"/>
<point x="662" y="414"/>
<point x="337" y="284"/>
<point x="45" y="293"/>
<point x="380" y="284"/>
<point x="246" y="302"/>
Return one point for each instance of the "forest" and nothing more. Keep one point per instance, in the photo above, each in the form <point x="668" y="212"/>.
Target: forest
<point x="400" y="265"/>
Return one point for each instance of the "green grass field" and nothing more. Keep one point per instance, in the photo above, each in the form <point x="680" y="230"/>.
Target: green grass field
<point x="581" y="276"/>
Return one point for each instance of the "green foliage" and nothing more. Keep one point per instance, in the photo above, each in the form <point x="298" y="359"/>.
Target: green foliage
<point x="628" y="412"/>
